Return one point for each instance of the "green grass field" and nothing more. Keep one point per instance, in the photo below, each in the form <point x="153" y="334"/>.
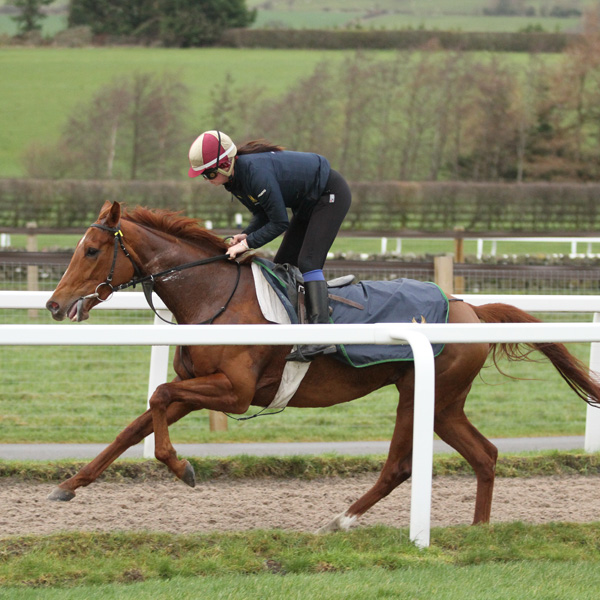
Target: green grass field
<point x="321" y="19"/>
<point x="435" y="20"/>
<point x="70" y="396"/>
<point x="463" y="15"/>
<point x="40" y="87"/>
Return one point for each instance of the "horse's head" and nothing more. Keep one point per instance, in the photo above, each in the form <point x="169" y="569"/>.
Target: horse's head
<point x="97" y="265"/>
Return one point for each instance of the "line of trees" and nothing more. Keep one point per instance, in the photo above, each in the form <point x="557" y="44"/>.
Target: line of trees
<point x="429" y="115"/>
<point x="180" y="23"/>
<point x="424" y="115"/>
<point x="133" y="128"/>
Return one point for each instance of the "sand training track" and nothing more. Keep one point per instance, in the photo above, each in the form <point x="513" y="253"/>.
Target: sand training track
<point x="298" y="505"/>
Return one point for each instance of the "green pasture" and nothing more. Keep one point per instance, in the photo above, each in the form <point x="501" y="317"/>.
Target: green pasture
<point x="308" y="19"/>
<point x="444" y="15"/>
<point x="499" y="562"/>
<point x="40" y="87"/>
<point x="413" y="7"/>
<point x="471" y="23"/>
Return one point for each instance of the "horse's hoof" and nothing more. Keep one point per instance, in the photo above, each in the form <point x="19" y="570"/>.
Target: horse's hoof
<point x="341" y="523"/>
<point x="189" y="477"/>
<point x="60" y="495"/>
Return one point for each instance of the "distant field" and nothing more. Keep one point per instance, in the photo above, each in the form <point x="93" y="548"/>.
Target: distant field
<point x="41" y="86"/>
<point x="460" y="15"/>
<point x="305" y="19"/>
<point x="321" y="19"/>
<point x="471" y="23"/>
<point x="416" y="7"/>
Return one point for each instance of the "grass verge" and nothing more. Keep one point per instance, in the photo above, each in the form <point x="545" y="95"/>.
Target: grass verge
<point x="305" y="467"/>
<point x="95" y="559"/>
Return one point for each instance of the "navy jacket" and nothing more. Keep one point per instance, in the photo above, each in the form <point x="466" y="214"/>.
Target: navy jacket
<point x="269" y="182"/>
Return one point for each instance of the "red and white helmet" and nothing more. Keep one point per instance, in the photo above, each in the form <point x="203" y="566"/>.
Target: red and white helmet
<point x="212" y="151"/>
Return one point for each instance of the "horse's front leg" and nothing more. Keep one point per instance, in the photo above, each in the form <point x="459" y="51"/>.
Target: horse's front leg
<point x="213" y="392"/>
<point x="131" y="435"/>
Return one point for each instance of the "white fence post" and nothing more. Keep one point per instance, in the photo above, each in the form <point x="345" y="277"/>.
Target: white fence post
<point x="423" y="417"/>
<point x="159" y="367"/>
<point x="592" y="421"/>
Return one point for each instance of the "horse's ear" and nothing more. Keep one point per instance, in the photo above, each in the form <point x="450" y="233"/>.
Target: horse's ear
<point x="114" y="215"/>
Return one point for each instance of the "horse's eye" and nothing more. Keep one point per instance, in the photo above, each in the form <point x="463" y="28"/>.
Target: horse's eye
<point x="91" y="252"/>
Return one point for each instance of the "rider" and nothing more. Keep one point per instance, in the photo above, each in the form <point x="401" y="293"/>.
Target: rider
<point x="267" y="180"/>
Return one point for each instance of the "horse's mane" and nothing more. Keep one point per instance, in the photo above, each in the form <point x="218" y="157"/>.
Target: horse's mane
<point x="175" y="224"/>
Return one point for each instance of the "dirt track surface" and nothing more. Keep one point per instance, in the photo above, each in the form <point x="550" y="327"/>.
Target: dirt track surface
<point x="296" y="505"/>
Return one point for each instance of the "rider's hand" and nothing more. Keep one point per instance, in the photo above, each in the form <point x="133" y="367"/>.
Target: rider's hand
<point x="236" y="239"/>
<point x="239" y="248"/>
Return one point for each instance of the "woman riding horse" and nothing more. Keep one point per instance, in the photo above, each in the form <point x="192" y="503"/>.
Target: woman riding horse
<point x="267" y="180"/>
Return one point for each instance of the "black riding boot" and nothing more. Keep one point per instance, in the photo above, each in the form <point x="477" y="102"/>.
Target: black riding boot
<point x="317" y="309"/>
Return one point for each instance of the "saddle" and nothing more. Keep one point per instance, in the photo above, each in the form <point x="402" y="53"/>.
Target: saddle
<point x="288" y="281"/>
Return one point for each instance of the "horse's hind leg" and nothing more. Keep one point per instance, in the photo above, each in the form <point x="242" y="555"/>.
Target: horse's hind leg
<point x="397" y="468"/>
<point x="457" y="431"/>
<point x="134" y="433"/>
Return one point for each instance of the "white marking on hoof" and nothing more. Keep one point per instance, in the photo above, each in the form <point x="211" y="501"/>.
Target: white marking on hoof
<point x="341" y="523"/>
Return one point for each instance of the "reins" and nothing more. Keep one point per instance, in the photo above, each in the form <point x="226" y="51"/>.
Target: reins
<point x="147" y="281"/>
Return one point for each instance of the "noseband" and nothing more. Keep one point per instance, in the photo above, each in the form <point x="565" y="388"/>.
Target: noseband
<point x="147" y="281"/>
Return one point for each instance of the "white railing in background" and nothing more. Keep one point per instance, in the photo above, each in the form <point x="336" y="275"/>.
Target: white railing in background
<point x="573" y="241"/>
<point x="418" y="336"/>
<point x="570" y="240"/>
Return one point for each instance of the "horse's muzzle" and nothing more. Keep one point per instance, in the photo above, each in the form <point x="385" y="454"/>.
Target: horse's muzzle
<point x="55" y="310"/>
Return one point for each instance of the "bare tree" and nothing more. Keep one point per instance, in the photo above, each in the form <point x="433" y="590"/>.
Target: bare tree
<point x="133" y="127"/>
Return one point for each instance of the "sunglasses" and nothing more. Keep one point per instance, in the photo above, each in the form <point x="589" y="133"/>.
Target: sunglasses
<point x="210" y="174"/>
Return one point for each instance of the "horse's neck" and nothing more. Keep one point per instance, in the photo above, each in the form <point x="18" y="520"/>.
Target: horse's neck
<point x="181" y="290"/>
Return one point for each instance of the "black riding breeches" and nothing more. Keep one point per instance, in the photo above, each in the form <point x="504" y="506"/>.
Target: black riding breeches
<point x="306" y="242"/>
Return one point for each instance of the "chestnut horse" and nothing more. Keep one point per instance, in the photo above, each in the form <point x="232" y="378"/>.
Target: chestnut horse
<point x="134" y="245"/>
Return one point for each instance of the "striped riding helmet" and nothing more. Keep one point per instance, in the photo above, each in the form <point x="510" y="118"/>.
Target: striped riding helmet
<point x="212" y="152"/>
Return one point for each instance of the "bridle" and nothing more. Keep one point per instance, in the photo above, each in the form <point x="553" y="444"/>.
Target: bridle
<point x="147" y="281"/>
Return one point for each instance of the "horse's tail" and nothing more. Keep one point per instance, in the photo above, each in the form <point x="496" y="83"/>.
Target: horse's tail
<point x="572" y="370"/>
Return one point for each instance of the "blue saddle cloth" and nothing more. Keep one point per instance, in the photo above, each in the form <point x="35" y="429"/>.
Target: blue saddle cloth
<point x="396" y="301"/>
